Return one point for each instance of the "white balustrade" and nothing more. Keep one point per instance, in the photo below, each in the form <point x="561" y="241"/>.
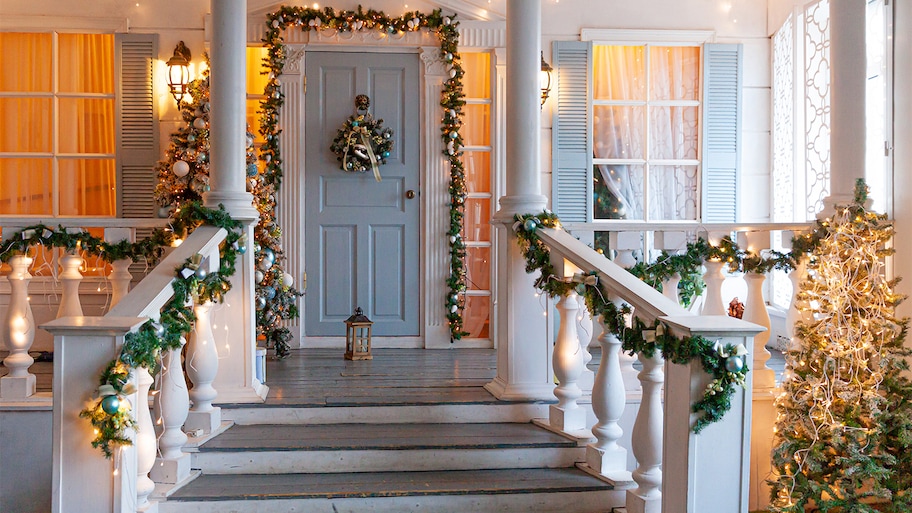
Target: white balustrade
<point x="670" y="287"/>
<point x="584" y="329"/>
<point x="755" y="311"/>
<point x="70" y="278"/>
<point x="202" y="368"/>
<point x="647" y="440"/>
<point x="712" y="301"/>
<point x="173" y="465"/>
<point x="120" y="279"/>
<point x="609" y="398"/>
<point x="144" y="441"/>
<point x="567" y="361"/>
<point x="18" y="332"/>
<point x="626" y="244"/>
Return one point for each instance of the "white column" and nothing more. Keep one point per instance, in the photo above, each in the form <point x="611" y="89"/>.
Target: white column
<point x="173" y="465"/>
<point x="18" y="332"/>
<point x="145" y="441"/>
<point x="70" y="277"/>
<point x="646" y="440"/>
<point x="202" y="367"/>
<point x="568" y="362"/>
<point x="236" y="380"/>
<point x="847" y="100"/>
<point x="523" y="369"/>
<point x="120" y="279"/>
<point x="712" y="303"/>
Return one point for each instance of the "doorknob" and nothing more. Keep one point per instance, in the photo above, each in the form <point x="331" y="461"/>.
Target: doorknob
<point x="410" y="194"/>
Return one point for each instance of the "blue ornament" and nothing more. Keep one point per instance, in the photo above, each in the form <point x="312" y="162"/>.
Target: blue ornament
<point x="356" y="123"/>
<point x="251" y="169"/>
<point x="453" y="135"/>
<point x="734" y="364"/>
<point x="269" y="292"/>
<point x="241" y="249"/>
<point x="530" y="225"/>
<point x="385" y="154"/>
<point x="110" y="404"/>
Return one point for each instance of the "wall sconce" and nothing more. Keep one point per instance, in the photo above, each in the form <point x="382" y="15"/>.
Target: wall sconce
<point x="179" y="72"/>
<point x="544" y="78"/>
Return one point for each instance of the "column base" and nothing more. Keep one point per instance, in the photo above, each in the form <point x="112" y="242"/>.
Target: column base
<point x="17" y="387"/>
<point x="521" y="204"/>
<point x="238" y="204"/>
<point x="567" y="420"/>
<point x="171" y="471"/>
<point x="207" y="421"/>
<point x="519" y="392"/>
<point x="638" y="504"/>
<point x="255" y="393"/>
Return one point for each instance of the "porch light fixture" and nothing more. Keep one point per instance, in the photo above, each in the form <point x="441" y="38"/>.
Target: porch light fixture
<point x="358" y="336"/>
<point x="179" y="72"/>
<point x="544" y="79"/>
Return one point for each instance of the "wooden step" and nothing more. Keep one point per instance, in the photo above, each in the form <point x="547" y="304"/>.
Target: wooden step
<point x="333" y="448"/>
<point x="567" y="490"/>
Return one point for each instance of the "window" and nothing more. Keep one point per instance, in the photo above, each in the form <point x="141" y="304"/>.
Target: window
<point x="57" y="138"/>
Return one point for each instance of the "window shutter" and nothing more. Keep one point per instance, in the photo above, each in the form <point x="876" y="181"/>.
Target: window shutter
<point x="137" y="130"/>
<point x="571" y="145"/>
<point x="722" y="81"/>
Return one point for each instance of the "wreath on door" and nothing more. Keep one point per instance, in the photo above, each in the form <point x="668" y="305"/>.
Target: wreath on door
<point x="362" y="143"/>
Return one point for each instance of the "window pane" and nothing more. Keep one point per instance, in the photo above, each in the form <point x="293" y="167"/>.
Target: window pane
<point x="25" y="62"/>
<point x="672" y="193"/>
<point x="476" y="316"/>
<point x="87" y="187"/>
<point x="86" y="63"/>
<point x="673" y="133"/>
<point x="25" y="186"/>
<point x="476" y="83"/>
<point x="86" y="125"/>
<point x="478" y="170"/>
<point x="25" y="125"/>
<point x="477" y="220"/>
<point x="617" y="191"/>
<point x="619" y="132"/>
<point x="674" y="73"/>
<point x="619" y="73"/>
<point x="476" y="129"/>
<point x="253" y="120"/>
<point x="256" y="81"/>
<point x="478" y="268"/>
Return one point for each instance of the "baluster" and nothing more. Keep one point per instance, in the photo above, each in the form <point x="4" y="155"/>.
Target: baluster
<point x="120" y="279"/>
<point x="755" y="311"/>
<point x="145" y="440"/>
<point x="70" y="277"/>
<point x="712" y="303"/>
<point x="584" y="328"/>
<point x="670" y="287"/>
<point x="625" y="244"/>
<point x="671" y="242"/>
<point x="567" y="361"/>
<point x="173" y="465"/>
<point x="646" y="440"/>
<point x="18" y="333"/>
<point x="202" y="368"/>
<point x="605" y="456"/>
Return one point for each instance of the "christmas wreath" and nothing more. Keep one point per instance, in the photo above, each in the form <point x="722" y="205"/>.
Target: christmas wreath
<point x="362" y="143"/>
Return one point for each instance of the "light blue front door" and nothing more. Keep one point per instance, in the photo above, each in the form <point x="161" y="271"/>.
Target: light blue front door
<point x="361" y="235"/>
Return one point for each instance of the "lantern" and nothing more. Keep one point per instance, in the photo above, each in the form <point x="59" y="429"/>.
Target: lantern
<point x="358" y="336"/>
<point x="179" y="72"/>
<point x="544" y="78"/>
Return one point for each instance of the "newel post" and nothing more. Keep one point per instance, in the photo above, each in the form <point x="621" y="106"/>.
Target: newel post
<point x="709" y="471"/>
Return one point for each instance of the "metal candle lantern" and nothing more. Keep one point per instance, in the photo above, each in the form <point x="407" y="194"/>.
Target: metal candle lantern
<point x="358" y="336"/>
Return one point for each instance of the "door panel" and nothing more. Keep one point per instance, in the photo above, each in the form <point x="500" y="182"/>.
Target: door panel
<point x="361" y="235"/>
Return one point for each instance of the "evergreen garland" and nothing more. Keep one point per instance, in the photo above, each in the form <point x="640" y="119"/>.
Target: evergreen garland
<point x="452" y="101"/>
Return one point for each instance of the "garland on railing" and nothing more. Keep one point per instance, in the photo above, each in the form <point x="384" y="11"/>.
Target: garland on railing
<point x="452" y="100"/>
<point x="724" y="362"/>
<point x="110" y="415"/>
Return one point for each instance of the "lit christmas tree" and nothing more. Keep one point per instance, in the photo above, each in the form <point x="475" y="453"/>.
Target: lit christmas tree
<point x="183" y="176"/>
<point x="844" y="432"/>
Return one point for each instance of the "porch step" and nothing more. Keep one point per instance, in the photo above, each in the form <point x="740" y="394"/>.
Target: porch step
<point x="507" y="490"/>
<point x="336" y="448"/>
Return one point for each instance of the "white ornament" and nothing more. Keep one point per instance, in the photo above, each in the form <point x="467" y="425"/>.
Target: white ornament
<point x="199" y="123"/>
<point x="180" y="168"/>
<point x="259" y="276"/>
<point x="360" y="151"/>
<point x="287" y="279"/>
<point x="452" y="73"/>
<point x="447" y="20"/>
<point x="275" y="23"/>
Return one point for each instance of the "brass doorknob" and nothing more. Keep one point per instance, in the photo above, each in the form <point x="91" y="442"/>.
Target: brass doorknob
<point x="410" y="194"/>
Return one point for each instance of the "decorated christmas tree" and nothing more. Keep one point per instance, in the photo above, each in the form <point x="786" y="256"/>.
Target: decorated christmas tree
<point x="183" y="176"/>
<point x="844" y="429"/>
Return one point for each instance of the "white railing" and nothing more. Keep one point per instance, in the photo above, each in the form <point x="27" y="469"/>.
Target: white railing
<point x="83" y="345"/>
<point x="695" y="478"/>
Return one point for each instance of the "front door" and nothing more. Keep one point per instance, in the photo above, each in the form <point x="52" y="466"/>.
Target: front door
<point x="361" y="236"/>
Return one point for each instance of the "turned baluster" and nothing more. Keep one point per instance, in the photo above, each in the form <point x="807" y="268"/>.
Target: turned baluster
<point x="670" y="287"/>
<point x="712" y="302"/>
<point x="646" y="439"/>
<point x="567" y="361"/>
<point x="173" y="465"/>
<point x="145" y="440"/>
<point x="202" y="368"/>
<point x="671" y="242"/>
<point x="18" y="333"/>
<point x="70" y="278"/>
<point x="120" y="279"/>
<point x="605" y="456"/>
<point x="755" y="311"/>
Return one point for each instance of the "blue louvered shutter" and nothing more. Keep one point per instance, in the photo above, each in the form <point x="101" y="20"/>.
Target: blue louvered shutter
<point x="137" y="130"/>
<point x="722" y="84"/>
<point x="571" y="142"/>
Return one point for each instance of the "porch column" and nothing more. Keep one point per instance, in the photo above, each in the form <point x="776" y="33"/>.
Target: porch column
<point x="236" y="333"/>
<point x="847" y="100"/>
<point x="523" y="367"/>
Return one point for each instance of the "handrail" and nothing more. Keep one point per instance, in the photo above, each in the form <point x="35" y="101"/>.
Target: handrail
<point x="691" y="226"/>
<point x="94" y="222"/>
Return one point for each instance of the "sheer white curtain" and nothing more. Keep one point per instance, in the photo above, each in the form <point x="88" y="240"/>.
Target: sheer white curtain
<point x="646" y="124"/>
